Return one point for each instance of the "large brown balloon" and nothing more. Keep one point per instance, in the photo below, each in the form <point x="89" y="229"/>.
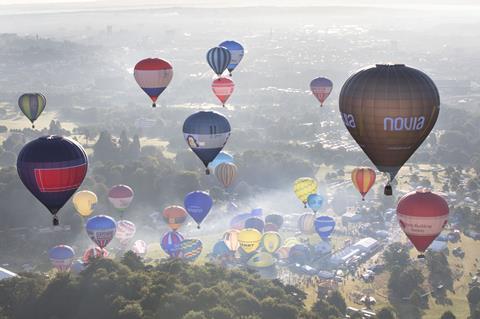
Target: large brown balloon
<point x="389" y="110"/>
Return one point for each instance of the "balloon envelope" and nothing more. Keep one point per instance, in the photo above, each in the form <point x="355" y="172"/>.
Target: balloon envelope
<point x="363" y="179"/>
<point x="125" y="231"/>
<point x="190" y="249"/>
<point x="220" y="250"/>
<point x="315" y="202"/>
<point x="271" y="241"/>
<point x="101" y="229"/>
<point x="299" y="253"/>
<point x="140" y="247"/>
<point x="222" y="157"/>
<point x="422" y="215"/>
<point x="226" y="173"/>
<point x="206" y="132"/>
<point x="230" y="238"/>
<point x="236" y="51"/>
<point x="83" y="202"/>
<point x="170" y="243"/>
<point x="52" y="168"/>
<point x="218" y="58"/>
<point x="306" y="223"/>
<point x="198" y="205"/>
<point x="324" y="226"/>
<point x="321" y="88"/>
<point x="389" y="110"/>
<point x="61" y="257"/>
<point x="261" y="260"/>
<point x="120" y="196"/>
<point x="174" y="216"/>
<point x="238" y="221"/>
<point x="93" y="252"/>
<point x="223" y="88"/>
<point x="32" y="105"/>
<point x="249" y="239"/>
<point x="274" y="219"/>
<point x="303" y="187"/>
<point x="153" y="76"/>
<point x="256" y="223"/>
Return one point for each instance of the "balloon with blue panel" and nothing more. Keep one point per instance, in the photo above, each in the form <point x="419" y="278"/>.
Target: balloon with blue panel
<point x="52" y="168"/>
<point x="324" y="226"/>
<point x="190" y="249"/>
<point x="170" y="243"/>
<point x="61" y="257"/>
<point x="206" y="133"/>
<point x="101" y="229"/>
<point x="255" y="223"/>
<point x="222" y="157"/>
<point x="315" y="202"/>
<point x="219" y="58"/>
<point x="153" y="77"/>
<point x="236" y="51"/>
<point x="32" y="105"/>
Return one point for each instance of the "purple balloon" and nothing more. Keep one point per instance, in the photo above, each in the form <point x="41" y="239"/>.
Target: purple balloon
<point x="198" y="205"/>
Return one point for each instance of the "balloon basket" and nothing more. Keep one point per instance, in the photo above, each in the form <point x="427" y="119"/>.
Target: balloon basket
<point x="154" y="105"/>
<point x="207" y="172"/>
<point x="55" y="221"/>
<point x="421" y="256"/>
<point x="388" y="190"/>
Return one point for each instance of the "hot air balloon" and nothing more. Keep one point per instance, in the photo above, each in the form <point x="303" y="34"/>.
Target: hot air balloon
<point x="190" y="249"/>
<point x="249" y="239"/>
<point x="153" y="77"/>
<point x="198" y="205"/>
<point x="306" y="223"/>
<point x="125" y="231"/>
<point x="77" y="266"/>
<point x="291" y="241"/>
<point x="61" y="257"/>
<point x="324" y="226"/>
<point x="206" y="132"/>
<point x="220" y="250"/>
<point x="226" y="173"/>
<point x="101" y="229"/>
<point x="223" y="88"/>
<point x="261" y="260"/>
<point x="174" y="216"/>
<point x="140" y="247"/>
<point x="230" y="238"/>
<point x="222" y="157"/>
<point x="120" y="196"/>
<point x="422" y="215"/>
<point x="274" y="219"/>
<point x="303" y="187"/>
<point x="83" y="202"/>
<point x="257" y="212"/>
<point x="389" y="110"/>
<point x="271" y="241"/>
<point x="321" y="88"/>
<point x="299" y="253"/>
<point x="236" y="51"/>
<point x="270" y="227"/>
<point x="170" y="243"/>
<point x="256" y="223"/>
<point x="93" y="252"/>
<point x="363" y="178"/>
<point x="238" y="221"/>
<point x="52" y="168"/>
<point x="218" y="58"/>
<point x="315" y="202"/>
<point x="32" y="105"/>
<point x="283" y="252"/>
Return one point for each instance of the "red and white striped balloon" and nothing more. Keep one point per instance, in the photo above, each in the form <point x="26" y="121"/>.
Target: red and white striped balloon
<point x="226" y="173"/>
<point x="125" y="231"/>
<point x="140" y="248"/>
<point x="223" y="88"/>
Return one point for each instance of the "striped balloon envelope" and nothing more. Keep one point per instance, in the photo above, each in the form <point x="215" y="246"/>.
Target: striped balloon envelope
<point x="170" y="243"/>
<point x="52" y="168"/>
<point x="206" y="132"/>
<point x="236" y="51"/>
<point x="190" y="249"/>
<point x="226" y="173"/>
<point x="125" y="231"/>
<point x="101" y="229"/>
<point x="230" y="238"/>
<point x="153" y="76"/>
<point x="321" y="88"/>
<point x="363" y="178"/>
<point x="140" y="247"/>
<point x="93" y="252"/>
<point x="32" y="105"/>
<point x="219" y="58"/>
<point x="61" y="257"/>
<point x="223" y="88"/>
<point x="306" y="223"/>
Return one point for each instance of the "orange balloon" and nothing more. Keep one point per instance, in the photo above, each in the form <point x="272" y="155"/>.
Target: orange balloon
<point x="174" y="216"/>
<point x="363" y="178"/>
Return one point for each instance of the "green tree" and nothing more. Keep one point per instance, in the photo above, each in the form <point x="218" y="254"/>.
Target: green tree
<point x="336" y="299"/>
<point x="386" y="313"/>
<point x="448" y="315"/>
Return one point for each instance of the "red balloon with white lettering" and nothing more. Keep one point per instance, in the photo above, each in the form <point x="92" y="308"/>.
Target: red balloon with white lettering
<point x="223" y="88"/>
<point x="422" y="216"/>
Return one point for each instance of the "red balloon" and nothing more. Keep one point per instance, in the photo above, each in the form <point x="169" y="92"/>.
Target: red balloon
<point x="422" y="216"/>
<point x="223" y="88"/>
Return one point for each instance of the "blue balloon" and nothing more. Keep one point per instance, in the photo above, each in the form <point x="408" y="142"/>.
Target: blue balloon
<point x="78" y="266"/>
<point x="101" y="229"/>
<point x="219" y="58"/>
<point x="324" y="226"/>
<point x="198" y="205"/>
<point x="236" y="52"/>
<point x="61" y="257"/>
<point x="315" y="202"/>
<point x="257" y="212"/>
<point x="222" y="157"/>
<point x="238" y="222"/>
<point x="255" y="222"/>
<point x="170" y="243"/>
<point x="220" y="250"/>
<point x="206" y="132"/>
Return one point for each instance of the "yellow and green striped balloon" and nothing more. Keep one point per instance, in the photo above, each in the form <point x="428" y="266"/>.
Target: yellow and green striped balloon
<point x="32" y="105"/>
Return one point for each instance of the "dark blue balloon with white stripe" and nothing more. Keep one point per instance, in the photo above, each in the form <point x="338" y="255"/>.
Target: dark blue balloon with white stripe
<point x="236" y="50"/>
<point x="324" y="226"/>
<point x="206" y="132"/>
<point x="219" y="58"/>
